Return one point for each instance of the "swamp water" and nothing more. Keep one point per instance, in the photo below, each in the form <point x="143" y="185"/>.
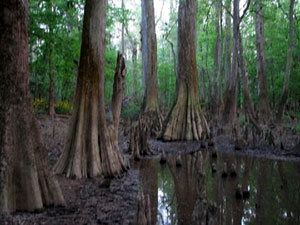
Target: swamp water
<point x="263" y="192"/>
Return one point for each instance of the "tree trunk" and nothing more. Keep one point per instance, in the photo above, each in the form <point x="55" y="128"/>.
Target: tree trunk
<point x="248" y="104"/>
<point x="123" y="29"/>
<point x="228" y="45"/>
<point x="51" y="100"/>
<point x="185" y="120"/>
<point x="118" y="89"/>
<point x="217" y="61"/>
<point x="289" y="63"/>
<point x="229" y="112"/>
<point x="149" y="53"/>
<point x="220" y="58"/>
<point x="92" y="147"/>
<point x="135" y="70"/>
<point x="25" y="181"/>
<point x="264" y="107"/>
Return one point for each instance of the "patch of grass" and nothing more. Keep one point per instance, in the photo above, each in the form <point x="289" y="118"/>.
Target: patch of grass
<point x="63" y="107"/>
<point x="40" y="105"/>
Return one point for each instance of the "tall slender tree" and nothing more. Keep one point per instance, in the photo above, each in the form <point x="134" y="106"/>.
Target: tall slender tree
<point x="264" y="107"/>
<point x="289" y="62"/>
<point x="217" y="57"/>
<point x="50" y="46"/>
<point x="25" y="180"/>
<point x="149" y="55"/>
<point x="186" y="120"/>
<point x="92" y="147"/>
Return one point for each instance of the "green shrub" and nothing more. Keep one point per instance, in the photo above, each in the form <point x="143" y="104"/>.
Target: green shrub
<point x="294" y="114"/>
<point x="298" y="128"/>
<point x="131" y="111"/>
<point x="63" y="107"/>
<point x="40" y="105"/>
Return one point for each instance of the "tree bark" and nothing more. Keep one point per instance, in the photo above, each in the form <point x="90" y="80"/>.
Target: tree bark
<point x="289" y="63"/>
<point x="229" y="111"/>
<point x="264" y="107"/>
<point x="51" y="100"/>
<point x="228" y="44"/>
<point x="92" y="147"/>
<point x="25" y="181"/>
<point x="186" y="120"/>
<point x="149" y="55"/>
<point x="123" y="29"/>
<point x="217" y="61"/>
<point x="118" y="89"/>
<point x="248" y="104"/>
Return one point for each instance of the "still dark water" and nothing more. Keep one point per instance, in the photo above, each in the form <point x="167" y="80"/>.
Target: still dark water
<point x="184" y="195"/>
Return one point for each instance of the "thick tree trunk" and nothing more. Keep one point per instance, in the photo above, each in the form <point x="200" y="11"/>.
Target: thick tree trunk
<point x="149" y="53"/>
<point x="264" y="107"/>
<point x="186" y="121"/>
<point x="229" y="111"/>
<point x="25" y="181"/>
<point x="92" y="147"/>
<point x="248" y="104"/>
<point x="289" y="63"/>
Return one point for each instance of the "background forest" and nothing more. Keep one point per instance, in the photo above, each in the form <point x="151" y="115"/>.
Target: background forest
<point x="55" y="33"/>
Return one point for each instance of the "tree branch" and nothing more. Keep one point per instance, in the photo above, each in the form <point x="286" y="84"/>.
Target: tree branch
<point x="245" y="10"/>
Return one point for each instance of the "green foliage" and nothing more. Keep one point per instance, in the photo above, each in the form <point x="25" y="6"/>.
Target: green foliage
<point x="63" y="107"/>
<point x="55" y="40"/>
<point x="294" y="114"/>
<point x="131" y="111"/>
<point x="298" y="128"/>
<point x="40" y="105"/>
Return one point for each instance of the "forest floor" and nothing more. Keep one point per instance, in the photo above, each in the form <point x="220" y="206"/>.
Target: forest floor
<point x="99" y="201"/>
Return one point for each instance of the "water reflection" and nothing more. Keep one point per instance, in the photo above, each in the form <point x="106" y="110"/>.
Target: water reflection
<point x="193" y="194"/>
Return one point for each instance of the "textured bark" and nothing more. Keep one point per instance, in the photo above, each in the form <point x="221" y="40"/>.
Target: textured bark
<point x="185" y="120"/>
<point x="289" y="63"/>
<point x="229" y="111"/>
<point x="25" y="181"/>
<point x="217" y="61"/>
<point x="248" y="104"/>
<point x="123" y="29"/>
<point x="264" y="107"/>
<point x="135" y="70"/>
<point x="92" y="147"/>
<point x="118" y="89"/>
<point x="228" y="45"/>
<point x="51" y="109"/>
<point x="149" y="53"/>
<point x="139" y="136"/>
<point x="51" y="100"/>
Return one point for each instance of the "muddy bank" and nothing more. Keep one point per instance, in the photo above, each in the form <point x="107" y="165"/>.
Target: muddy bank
<point x="95" y="201"/>
<point x="89" y="201"/>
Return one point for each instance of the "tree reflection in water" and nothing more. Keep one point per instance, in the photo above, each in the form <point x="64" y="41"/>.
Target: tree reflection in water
<point x="191" y="194"/>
